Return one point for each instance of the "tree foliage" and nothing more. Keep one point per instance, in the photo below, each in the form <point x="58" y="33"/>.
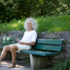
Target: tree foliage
<point x="30" y="8"/>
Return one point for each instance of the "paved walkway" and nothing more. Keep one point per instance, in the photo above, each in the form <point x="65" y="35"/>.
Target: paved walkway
<point x="5" y="65"/>
<point x="19" y="66"/>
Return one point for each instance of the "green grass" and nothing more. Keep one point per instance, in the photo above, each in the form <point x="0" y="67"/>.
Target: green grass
<point x="54" y="23"/>
<point x="12" y="25"/>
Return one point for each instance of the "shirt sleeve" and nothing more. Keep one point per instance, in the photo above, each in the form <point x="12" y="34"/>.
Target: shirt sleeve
<point x="34" y="36"/>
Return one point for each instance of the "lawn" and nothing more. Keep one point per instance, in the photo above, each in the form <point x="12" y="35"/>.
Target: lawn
<point x="54" y="23"/>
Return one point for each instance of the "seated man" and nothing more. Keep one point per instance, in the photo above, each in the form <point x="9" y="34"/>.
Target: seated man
<point x="28" y="40"/>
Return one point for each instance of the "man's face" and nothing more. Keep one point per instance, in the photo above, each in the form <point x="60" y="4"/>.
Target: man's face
<point x="29" y="25"/>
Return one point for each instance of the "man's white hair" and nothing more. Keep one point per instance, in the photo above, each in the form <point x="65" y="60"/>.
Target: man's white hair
<point x="34" y="23"/>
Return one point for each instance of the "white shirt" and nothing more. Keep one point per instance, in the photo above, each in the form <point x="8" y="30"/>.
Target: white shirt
<point x="29" y="36"/>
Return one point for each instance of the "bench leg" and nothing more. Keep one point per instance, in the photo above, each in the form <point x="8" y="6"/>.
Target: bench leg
<point x="38" y="62"/>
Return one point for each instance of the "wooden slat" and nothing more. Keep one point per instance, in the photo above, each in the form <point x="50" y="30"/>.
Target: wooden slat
<point x="50" y="41"/>
<point x="40" y="53"/>
<point x="42" y="41"/>
<point x="8" y="42"/>
<point x="48" y="47"/>
<point x="10" y="38"/>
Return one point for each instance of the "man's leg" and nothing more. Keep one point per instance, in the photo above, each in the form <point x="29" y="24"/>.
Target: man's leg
<point x="14" y="48"/>
<point x="4" y="52"/>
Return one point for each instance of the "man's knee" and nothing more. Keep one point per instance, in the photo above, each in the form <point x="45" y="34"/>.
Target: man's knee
<point x="12" y="48"/>
<point x="5" y="48"/>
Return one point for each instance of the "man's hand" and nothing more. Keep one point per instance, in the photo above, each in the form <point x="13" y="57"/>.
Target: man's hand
<point x="17" y="39"/>
<point x="21" y="42"/>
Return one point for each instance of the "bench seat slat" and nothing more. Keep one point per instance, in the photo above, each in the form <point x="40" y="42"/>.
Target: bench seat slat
<point x="40" y="53"/>
<point x="50" y="41"/>
<point x="48" y="47"/>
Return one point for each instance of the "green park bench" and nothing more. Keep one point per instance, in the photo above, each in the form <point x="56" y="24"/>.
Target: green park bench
<point x="40" y="51"/>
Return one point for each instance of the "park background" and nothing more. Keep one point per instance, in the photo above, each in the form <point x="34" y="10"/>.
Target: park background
<point x="51" y="15"/>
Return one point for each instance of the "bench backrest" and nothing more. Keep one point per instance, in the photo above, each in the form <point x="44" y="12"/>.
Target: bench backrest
<point x="49" y="44"/>
<point x="9" y="40"/>
<point x="41" y="44"/>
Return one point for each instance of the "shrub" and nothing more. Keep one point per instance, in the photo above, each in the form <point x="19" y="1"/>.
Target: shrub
<point x="62" y="66"/>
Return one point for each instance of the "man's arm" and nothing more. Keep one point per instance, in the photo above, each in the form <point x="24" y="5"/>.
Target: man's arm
<point x="27" y="43"/>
